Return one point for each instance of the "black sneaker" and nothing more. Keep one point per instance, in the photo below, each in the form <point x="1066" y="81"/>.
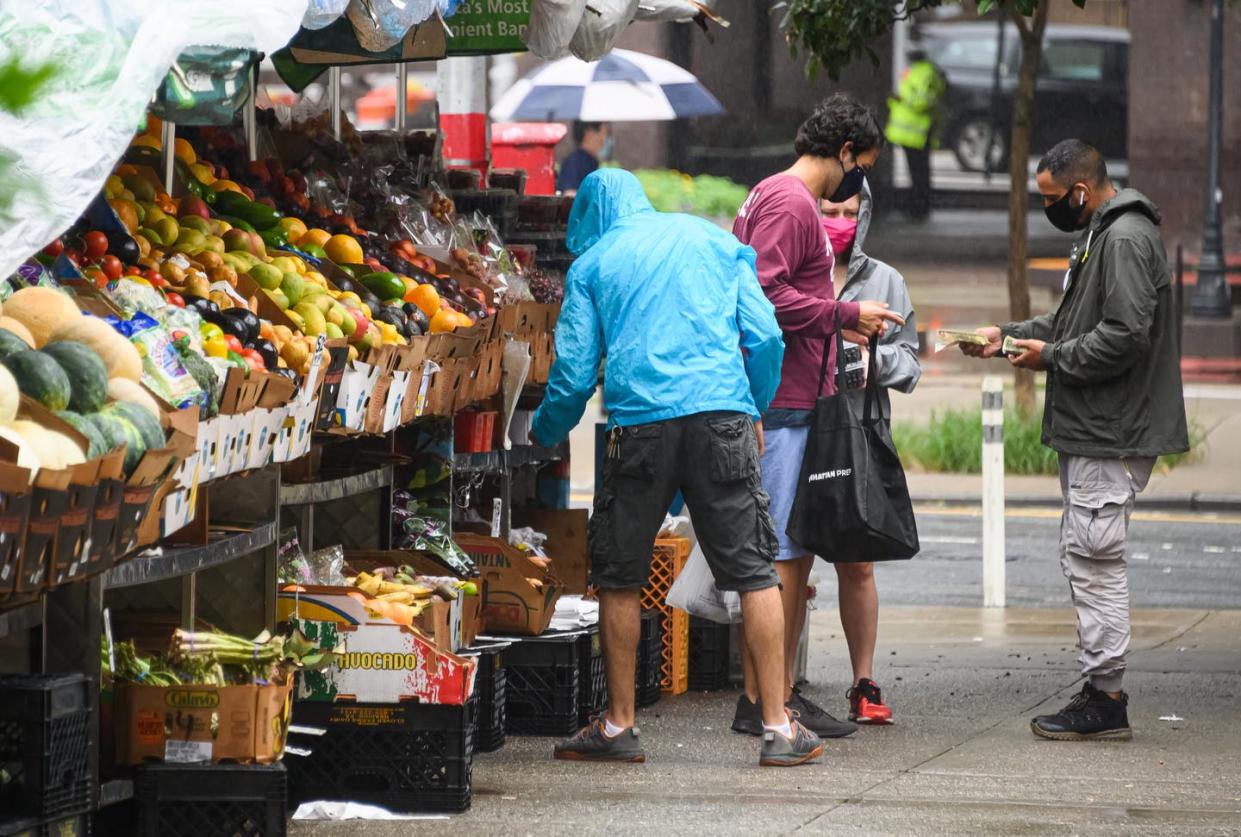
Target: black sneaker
<point x="816" y="720"/>
<point x="1090" y="715"/>
<point x="749" y="717"/>
<point x="592" y="743"/>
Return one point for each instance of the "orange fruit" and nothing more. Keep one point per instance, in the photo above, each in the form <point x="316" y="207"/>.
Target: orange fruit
<point x="295" y="228"/>
<point x="343" y="249"/>
<point x="426" y="298"/>
<point x="147" y="141"/>
<point x="315" y="236"/>
<point x="463" y="320"/>
<point x="183" y="151"/>
<point x="127" y="211"/>
<point x="443" y="321"/>
<point x="222" y="185"/>
<point x="155" y="125"/>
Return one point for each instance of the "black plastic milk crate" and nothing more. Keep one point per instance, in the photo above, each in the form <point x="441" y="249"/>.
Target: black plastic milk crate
<point x="543" y="685"/>
<point x="406" y="757"/>
<point x="211" y="800"/>
<point x="592" y="679"/>
<point x="45" y="743"/>
<point x="709" y="658"/>
<point x="491" y="689"/>
<point x="650" y="658"/>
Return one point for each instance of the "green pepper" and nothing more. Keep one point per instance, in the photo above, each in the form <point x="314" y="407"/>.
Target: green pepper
<point x="238" y="361"/>
<point x="276" y="238"/>
<point x="239" y="223"/>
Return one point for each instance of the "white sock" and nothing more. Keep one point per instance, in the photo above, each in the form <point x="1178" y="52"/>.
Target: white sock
<point x="610" y="729"/>
<point x="785" y="729"/>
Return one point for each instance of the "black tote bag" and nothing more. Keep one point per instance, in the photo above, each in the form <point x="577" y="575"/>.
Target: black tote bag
<point x="852" y="502"/>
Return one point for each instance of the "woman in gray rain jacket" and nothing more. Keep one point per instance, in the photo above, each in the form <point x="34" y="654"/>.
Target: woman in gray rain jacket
<point x="858" y="276"/>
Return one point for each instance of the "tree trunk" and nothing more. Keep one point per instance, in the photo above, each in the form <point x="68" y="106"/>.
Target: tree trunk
<point x="1031" y="32"/>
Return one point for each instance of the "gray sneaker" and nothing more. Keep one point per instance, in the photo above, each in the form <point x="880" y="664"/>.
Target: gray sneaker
<point x="749" y="717"/>
<point x="779" y="751"/>
<point x="591" y="743"/>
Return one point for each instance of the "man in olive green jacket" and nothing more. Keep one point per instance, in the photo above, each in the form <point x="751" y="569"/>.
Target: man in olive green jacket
<point x="1114" y="403"/>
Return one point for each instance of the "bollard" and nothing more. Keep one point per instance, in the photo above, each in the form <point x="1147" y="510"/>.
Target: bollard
<point x="992" y="491"/>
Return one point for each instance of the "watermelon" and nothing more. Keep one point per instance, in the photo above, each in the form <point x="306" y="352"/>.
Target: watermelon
<point x="141" y="418"/>
<point x="10" y="343"/>
<point x="119" y="431"/>
<point x="40" y="376"/>
<point x="88" y="376"/>
<point x="84" y="425"/>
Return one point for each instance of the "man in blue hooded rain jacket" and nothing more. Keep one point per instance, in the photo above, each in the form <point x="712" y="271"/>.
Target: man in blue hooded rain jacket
<point x="693" y="359"/>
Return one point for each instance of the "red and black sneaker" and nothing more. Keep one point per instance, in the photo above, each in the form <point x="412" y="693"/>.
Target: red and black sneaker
<point x="866" y="704"/>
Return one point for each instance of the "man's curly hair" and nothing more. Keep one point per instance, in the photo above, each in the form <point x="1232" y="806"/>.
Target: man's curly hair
<point x="838" y="119"/>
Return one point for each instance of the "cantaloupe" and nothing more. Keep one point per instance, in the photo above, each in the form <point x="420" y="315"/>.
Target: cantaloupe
<point x="123" y="389"/>
<point x="54" y="450"/>
<point x="118" y="354"/>
<point x="42" y="311"/>
<point x="26" y="456"/>
<point x="9" y="396"/>
<point x="11" y="325"/>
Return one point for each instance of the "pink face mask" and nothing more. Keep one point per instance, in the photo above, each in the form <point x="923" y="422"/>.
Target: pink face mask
<point x="840" y="232"/>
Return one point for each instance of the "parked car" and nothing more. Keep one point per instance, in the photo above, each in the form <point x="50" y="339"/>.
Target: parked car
<point x="1081" y="91"/>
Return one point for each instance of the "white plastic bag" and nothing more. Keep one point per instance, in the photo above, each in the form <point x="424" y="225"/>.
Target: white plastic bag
<point x="672" y="11"/>
<point x="601" y="26"/>
<point x="381" y="24"/>
<point x="321" y="13"/>
<point x="694" y="591"/>
<point x="551" y="27"/>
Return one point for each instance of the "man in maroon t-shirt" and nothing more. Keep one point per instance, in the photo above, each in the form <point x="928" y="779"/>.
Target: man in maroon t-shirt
<point x="780" y="220"/>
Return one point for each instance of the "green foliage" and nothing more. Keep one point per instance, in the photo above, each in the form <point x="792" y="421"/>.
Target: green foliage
<point x="952" y="443"/>
<point x="836" y="32"/>
<point x="705" y="195"/>
<point x="19" y="88"/>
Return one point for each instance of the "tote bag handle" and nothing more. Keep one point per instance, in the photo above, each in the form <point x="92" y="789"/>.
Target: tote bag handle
<point x="872" y="378"/>
<point x="840" y="356"/>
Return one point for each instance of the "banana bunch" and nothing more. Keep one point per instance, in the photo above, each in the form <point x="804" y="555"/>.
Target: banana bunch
<point x="403" y="589"/>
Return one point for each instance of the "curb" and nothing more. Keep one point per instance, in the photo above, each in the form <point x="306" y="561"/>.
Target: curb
<point x="1196" y="502"/>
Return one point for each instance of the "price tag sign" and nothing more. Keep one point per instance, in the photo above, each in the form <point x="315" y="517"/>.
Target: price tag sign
<point x="187" y="752"/>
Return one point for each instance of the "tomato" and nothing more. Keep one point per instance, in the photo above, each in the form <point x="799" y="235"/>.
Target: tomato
<point x="112" y="267"/>
<point x="151" y="274"/>
<point x="254" y="360"/>
<point x="175" y="299"/>
<point x="158" y="281"/>
<point x="234" y="345"/>
<point x="95" y="244"/>
<point x="54" y="249"/>
<point x="133" y="270"/>
<point x="74" y="256"/>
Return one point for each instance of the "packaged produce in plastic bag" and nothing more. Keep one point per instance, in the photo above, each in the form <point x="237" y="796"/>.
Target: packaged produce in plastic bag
<point x="694" y="591"/>
<point x="320" y="13"/>
<point x="601" y="27"/>
<point x="676" y="11"/>
<point x="528" y="540"/>
<point x="291" y="564"/>
<point x="381" y="24"/>
<point x="327" y="566"/>
<point x="205" y="86"/>
<point x="162" y="370"/>
<point x="414" y="527"/>
<point x="552" y="24"/>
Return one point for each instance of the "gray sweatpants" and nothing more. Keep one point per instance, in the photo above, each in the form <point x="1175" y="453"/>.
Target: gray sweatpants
<point x="1098" y="499"/>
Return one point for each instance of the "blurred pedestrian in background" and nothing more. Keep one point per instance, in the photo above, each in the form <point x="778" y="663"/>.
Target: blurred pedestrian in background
<point x="594" y="145"/>
<point x="912" y="115"/>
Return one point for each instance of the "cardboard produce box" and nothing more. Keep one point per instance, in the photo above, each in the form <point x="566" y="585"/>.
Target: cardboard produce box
<point x="201" y="723"/>
<point x="380" y="661"/>
<point x="452" y="625"/>
<point x="519" y="596"/>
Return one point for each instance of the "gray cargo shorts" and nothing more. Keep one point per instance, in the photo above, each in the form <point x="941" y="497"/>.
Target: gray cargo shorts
<point x="712" y="458"/>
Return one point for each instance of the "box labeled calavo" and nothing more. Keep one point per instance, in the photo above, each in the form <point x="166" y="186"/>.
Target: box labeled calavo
<point x="201" y="723"/>
<point x="377" y="660"/>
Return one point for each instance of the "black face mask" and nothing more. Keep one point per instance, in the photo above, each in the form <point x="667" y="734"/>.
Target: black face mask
<point x="850" y="184"/>
<point x="1063" y="216"/>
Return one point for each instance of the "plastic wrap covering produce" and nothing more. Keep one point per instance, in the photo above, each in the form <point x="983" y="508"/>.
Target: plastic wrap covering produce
<point x="320" y="13"/>
<point x="162" y="369"/>
<point x="108" y="59"/>
<point x="552" y="24"/>
<point x="600" y="28"/>
<point x="205" y="86"/>
<point x="380" y="24"/>
<point x="672" y="11"/>
<point x="414" y="527"/>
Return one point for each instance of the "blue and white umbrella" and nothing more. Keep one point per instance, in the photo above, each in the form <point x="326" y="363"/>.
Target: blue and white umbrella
<point x="622" y="86"/>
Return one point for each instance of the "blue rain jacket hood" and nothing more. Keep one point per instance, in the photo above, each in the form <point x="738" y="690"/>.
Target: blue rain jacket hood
<point x="674" y="303"/>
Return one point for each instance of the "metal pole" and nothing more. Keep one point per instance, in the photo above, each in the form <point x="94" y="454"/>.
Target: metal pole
<point x="333" y="99"/>
<point x="168" y="139"/>
<point x="250" y="116"/>
<point x="993" y="491"/>
<point x="1211" y="295"/>
<point x="402" y="83"/>
<point x="1180" y="297"/>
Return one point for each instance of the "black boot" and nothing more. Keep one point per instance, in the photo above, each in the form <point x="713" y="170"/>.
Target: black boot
<point x="1090" y="715"/>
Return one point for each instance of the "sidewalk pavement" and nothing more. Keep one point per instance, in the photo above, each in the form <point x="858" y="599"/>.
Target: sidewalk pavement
<point x="963" y="684"/>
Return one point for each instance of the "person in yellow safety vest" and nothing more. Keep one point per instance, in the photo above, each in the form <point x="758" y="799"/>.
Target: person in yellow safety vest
<point x="911" y="122"/>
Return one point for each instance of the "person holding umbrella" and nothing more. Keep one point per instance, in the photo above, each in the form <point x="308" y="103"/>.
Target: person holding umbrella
<point x="781" y="220"/>
<point x="594" y="145"/>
